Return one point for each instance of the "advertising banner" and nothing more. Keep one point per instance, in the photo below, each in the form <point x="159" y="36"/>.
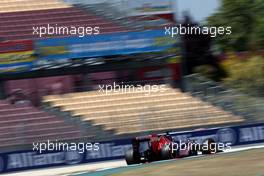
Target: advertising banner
<point x="104" y="45"/>
<point x="24" y="160"/>
<point x="110" y="150"/>
<point x="237" y="135"/>
<point x="20" y="56"/>
<point x="16" y="46"/>
<point x="16" y="56"/>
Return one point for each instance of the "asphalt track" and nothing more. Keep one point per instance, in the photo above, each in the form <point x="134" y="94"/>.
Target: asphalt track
<point x="105" y="168"/>
<point x="117" y="171"/>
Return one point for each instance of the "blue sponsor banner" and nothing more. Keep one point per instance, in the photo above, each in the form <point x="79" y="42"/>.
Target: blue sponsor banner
<point x="236" y="135"/>
<point x="110" y="150"/>
<point x="104" y="45"/>
<point x="33" y="159"/>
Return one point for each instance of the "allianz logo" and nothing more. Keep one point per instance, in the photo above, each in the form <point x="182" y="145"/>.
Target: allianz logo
<point x="33" y="159"/>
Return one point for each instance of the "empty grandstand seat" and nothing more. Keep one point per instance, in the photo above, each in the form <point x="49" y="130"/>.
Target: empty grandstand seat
<point x="135" y="112"/>
<point x="25" y="5"/>
<point x="24" y="124"/>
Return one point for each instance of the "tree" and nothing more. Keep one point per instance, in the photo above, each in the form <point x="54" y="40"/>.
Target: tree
<point x="246" y="17"/>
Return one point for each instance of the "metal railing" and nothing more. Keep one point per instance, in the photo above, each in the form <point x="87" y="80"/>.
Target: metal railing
<point x="252" y="108"/>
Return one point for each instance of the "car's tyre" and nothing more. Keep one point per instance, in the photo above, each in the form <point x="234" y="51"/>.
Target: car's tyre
<point x="193" y="153"/>
<point x="209" y="149"/>
<point x="130" y="157"/>
<point x="165" y="153"/>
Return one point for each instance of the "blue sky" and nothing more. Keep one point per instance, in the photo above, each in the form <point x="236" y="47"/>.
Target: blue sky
<point x="199" y="9"/>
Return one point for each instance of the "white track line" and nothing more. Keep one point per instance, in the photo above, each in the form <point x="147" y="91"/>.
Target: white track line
<point x="68" y="170"/>
<point x="248" y="147"/>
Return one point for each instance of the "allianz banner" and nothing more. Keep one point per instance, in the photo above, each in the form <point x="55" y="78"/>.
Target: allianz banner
<point x="111" y="150"/>
<point x="103" y="45"/>
<point x="235" y="135"/>
<point x="16" y="56"/>
<point x="25" y="160"/>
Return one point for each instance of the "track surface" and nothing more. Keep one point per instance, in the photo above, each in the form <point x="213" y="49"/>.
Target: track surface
<point x="246" y="163"/>
<point x="240" y="161"/>
<point x="69" y="170"/>
<point x="107" y="168"/>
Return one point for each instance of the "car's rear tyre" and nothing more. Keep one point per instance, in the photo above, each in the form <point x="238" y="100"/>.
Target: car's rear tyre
<point x="130" y="157"/>
<point x="193" y="153"/>
<point x="166" y="153"/>
<point x="209" y="142"/>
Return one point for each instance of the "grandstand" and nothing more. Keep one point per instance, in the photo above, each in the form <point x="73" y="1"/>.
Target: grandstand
<point x="18" y="17"/>
<point x="139" y="112"/>
<point x="115" y="114"/>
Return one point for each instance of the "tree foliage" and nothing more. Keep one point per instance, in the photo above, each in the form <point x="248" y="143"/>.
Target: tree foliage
<point x="246" y="75"/>
<point x="246" y="17"/>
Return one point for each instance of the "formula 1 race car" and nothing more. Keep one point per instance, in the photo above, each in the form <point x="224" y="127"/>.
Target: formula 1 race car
<point x="162" y="147"/>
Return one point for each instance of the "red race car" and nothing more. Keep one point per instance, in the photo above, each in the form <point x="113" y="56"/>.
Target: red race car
<point x="162" y="147"/>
